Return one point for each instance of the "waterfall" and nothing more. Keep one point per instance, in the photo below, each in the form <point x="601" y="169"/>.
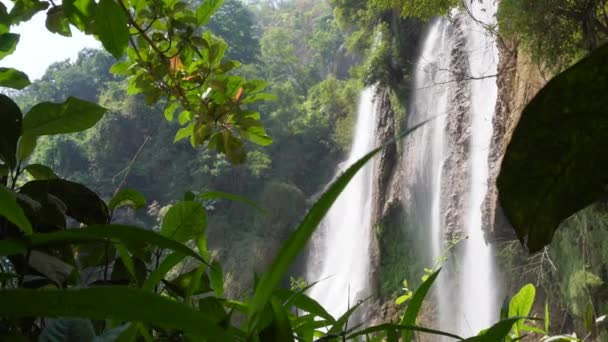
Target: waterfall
<point x="446" y="163"/>
<point x="340" y="256"/>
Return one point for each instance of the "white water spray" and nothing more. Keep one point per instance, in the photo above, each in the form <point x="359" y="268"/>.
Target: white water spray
<point x="446" y="182"/>
<point x="342" y="259"/>
<point x="478" y="288"/>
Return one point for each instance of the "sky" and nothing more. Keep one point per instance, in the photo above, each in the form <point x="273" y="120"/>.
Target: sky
<point x="38" y="48"/>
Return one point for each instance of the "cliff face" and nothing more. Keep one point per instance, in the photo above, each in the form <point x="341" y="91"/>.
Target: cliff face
<point x="519" y="79"/>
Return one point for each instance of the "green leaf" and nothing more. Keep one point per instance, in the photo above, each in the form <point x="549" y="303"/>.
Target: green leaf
<point x="305" y="303"/>
<point x="521" y="304"/>
<point x="211" y="195"/>
<point x="383" y="327"/>
<point x="547" y="317"/>
<point x="554" y="164"/>
<point x="12" y="211"/>
<point x="13" y="78"/>
<point x="161" y="271"/>
<point x="10" y="130"/>
<point x="40" y="172"/>
<point x="73" y="115"/>
<point x="413" y="308"/>
<point x="299" y="238"/>
<point x="24" y="10"/>
<point x="5" y="19"/>
<point x="194" y="282"/>
<point x="184" y="221"/>
<point x="80" y="13"/>
<point x="279" y="328"/>
<point x="216" y="275"/>
<point x="169" y="112"/>
<point x="497" y="332"/>
<point x="111" y="24"/>
<point x="121" y="68"/>
<point x="82" y="203"/>
<point x="184" y="132"/>
<point x="128" y="235"/>
<point x="341" y="322"/>
<point x="206" y="10"/>
<point x="257" y="135"/>
<point x="8" y="44"/>
<point x="127" y="198"/>
<point x="26" y="146"/>
<point x="118" y="303"/>
<point x="56" y="21"/>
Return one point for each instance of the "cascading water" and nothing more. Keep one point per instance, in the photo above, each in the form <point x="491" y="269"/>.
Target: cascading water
<point x="446" y="162"/>
<point x="342" y="258"/>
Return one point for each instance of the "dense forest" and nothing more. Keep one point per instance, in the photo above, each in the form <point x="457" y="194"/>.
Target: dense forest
<point x="168" y="186"/>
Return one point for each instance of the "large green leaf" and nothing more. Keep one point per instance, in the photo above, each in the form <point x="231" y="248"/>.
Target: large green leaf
<point x="413" y="308"/>
<point x="184" y="221"/>
<point x="10" y="129"/>
<point x="299" y="238"/>
<point x="111" y="24"/>
<point x="8" y="44"/>
<point x="57" y="22"/>
<point x="521" y="304"/>
<point x="40" y="172"/>
<point x="206" y="10"/>
<point x="13" y="78"/>
<point x="118" y="303"/>
<point x="73" y="115"/>
<point x="556" y="163"/>
<point x="10" y="210"/>
<point x="82" y="203"/>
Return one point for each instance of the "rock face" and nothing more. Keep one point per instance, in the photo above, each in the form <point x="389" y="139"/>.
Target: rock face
<point x="386" y="189"/>
<point x="519" y="79"/>
<point x="458" y="135"/>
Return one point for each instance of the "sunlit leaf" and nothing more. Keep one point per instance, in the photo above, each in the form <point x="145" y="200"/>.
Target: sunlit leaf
<point x="73" y="115"/>
<point x="206" y="10"/>
<point x="10" y="210"/>
<point x="12" y="78"/>
<point x="184" y="221"/>
<point x="111" y="27"/>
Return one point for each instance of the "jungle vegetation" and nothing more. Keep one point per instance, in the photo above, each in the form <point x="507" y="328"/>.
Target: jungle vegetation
<point x="120" y="218"/>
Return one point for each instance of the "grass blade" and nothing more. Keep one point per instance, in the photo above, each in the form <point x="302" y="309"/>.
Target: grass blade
<point x="409" y="317"/>
<point x="298" y="239"/>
